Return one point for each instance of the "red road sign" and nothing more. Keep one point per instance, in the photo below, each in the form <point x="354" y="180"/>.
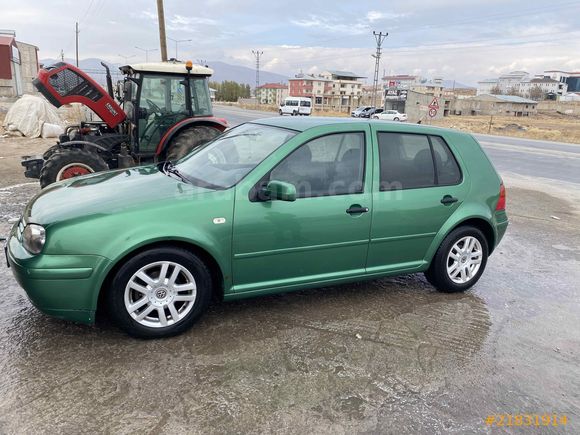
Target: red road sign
<point x="434" y="104"/>
<point x="432" y="113"/>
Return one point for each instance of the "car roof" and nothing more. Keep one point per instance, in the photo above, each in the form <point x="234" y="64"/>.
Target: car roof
<point x="303" y="123"/>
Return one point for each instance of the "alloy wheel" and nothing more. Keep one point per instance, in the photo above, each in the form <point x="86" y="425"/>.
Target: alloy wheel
<point x="464" y="260"/>
<point x="160" y="294"/>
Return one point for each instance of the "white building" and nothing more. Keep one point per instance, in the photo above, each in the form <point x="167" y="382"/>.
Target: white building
<point x="506" y="83"/>
<point x="547" y="85"/>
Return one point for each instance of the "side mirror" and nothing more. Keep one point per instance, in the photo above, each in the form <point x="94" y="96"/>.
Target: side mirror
<point x="280" y="190"/>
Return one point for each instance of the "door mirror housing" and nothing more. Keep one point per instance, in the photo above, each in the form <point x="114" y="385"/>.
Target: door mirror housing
<point x="280" y="190"/>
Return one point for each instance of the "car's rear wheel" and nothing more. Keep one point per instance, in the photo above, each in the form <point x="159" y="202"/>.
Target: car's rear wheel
<point x="460" y="260"/>
<point x="68" y="163"/>
<point x="159" y="293"/>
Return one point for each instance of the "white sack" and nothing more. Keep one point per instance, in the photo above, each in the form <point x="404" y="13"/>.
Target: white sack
<point x="51" y="130"/>
<point x="29" y="113"/>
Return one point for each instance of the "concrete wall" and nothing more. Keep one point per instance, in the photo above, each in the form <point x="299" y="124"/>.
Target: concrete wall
<point x="28" y="66"/>
<point x="489" y="105"/>
<point x="417" y="107"/>
<point x="565" y="107"/>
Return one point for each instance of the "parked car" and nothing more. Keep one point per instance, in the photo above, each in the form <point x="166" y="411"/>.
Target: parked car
<point x="270" y="206"/>
<point x="357" y="112"/>
<point x="391" y="115"/>
<point x="370" y="112"/>
<point x="296" y="106"/>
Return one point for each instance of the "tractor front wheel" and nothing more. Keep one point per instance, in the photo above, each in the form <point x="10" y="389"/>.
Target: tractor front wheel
<point x="69" y="163"/>
<point x="188" y="139"/>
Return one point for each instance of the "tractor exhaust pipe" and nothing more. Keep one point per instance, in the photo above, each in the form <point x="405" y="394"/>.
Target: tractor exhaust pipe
<point x="109" y="80"/>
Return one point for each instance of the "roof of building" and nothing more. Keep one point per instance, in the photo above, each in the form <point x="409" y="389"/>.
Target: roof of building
<point x="509" y="98"/>
<point x="168" y="68"/>
<point x="309" y="77"/>
<point x="488" y="81"/>
<point x="345" y="74"/>
<point x="6" y="40"/>
<point x="544" y="80"/>
<point x="273" y="86"/>
<point x="400" y="77"/>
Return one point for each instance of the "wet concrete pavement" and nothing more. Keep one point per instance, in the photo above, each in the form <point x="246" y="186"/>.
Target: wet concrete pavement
<point x="384" y="356"/>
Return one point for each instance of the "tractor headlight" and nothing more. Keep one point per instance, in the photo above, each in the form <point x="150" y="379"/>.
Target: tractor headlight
<point x="33" y="238"/>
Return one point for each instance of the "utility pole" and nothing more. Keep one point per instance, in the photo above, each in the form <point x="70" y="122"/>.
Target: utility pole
<point x="162" y="39"/>
<point x="379" y="37"/>
<point x="77" y="42"/>
<point x="177" y="41"/>
<point x="258" y="54"/>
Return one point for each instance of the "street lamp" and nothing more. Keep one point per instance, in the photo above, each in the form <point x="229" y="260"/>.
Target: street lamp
<point x="126" y="57"/>
<point x="146" y="50"/>
<point x="177" y="41"/>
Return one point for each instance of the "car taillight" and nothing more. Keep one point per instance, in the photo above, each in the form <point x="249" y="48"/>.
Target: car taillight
<point x="501" y="201"/>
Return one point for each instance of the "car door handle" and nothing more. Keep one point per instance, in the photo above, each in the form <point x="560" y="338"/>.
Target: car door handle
<point x="357" y="209"/>
<point x="448" y="199"/>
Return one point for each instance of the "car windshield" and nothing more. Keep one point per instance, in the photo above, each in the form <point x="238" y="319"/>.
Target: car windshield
<point x="223" y="162"/>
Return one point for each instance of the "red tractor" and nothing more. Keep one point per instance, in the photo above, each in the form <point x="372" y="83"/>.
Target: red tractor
<point x="166" y="112"/>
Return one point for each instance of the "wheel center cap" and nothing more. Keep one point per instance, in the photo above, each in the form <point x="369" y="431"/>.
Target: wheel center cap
<point x="161" y="293"/>
<point x="464" y="259"/>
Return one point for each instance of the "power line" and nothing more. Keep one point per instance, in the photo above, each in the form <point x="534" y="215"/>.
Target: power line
<point x="380" y="38"/>
<point x="258" y="54"/>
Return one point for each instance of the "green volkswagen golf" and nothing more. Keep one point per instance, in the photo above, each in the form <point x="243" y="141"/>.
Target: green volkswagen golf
<point x="270" y="206"/>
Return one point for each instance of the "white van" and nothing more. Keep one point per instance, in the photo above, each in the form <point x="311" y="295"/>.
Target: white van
<point x="296" y="106"/>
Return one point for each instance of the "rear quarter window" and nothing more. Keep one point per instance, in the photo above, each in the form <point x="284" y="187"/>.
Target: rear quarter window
<point x="448" y="171"/>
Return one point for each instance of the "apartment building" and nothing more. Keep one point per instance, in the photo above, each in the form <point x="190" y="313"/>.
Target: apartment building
<point x="333" y="90"/>
<point x="271" y="93"/>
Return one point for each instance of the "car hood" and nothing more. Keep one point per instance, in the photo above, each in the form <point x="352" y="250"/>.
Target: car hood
<point x="106" y="193"/>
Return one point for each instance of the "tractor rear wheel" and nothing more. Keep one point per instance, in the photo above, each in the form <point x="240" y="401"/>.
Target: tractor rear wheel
<point x="188" y="139"/>
<point x="69" y="163"/>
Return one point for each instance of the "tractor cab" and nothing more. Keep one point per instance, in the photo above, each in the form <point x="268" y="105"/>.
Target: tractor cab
<point x="166" y="112"/>
<point x="159" y="95"/>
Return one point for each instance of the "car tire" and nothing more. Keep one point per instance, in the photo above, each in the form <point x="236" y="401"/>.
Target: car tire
<point x="460" y="260"/>
<point x="188" y="139"/>
<point x="395" y="119"/>
<point x="61" y="165"/>
<point x="159" y="293"/>
<point x="280" y="112"/>
<point x="294" y="113"/>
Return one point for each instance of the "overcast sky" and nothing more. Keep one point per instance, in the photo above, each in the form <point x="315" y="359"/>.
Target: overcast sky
<point x="454" y="39"/>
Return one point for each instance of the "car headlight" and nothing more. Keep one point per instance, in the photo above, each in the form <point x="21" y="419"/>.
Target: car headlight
<point x="33" y="238"/>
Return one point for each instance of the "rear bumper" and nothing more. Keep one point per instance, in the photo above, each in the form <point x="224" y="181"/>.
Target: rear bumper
<point x="501" y="223"/>
<point x="63" y="286"/>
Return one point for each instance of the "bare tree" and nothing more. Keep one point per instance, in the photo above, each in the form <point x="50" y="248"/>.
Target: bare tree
<point x="536" y="93"/>
<point x="513" y="91"/>
<point x="496" y="90"/>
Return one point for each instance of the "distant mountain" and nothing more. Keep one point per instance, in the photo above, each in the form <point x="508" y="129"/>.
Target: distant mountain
<point x="450" y="84"/>
<point x="222" y="71"/>
<point x="241" y="74"/>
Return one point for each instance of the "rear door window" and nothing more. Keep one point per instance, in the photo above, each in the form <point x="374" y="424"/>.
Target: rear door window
<point x="406" y="161"/>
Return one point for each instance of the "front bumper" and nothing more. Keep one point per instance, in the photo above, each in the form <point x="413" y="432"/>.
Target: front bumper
<point x="63" y="286"/>
<point x="32" y="165"/>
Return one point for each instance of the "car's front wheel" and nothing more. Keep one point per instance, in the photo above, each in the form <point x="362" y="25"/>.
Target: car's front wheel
<point x="159" y="293"/>
<point x="460" y="260"/>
